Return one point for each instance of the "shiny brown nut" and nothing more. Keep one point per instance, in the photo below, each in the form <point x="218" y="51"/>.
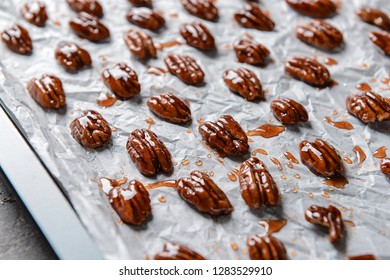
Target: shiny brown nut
<point x="308" y="70"/>
<point x="201" y="191"/>
<point x="170" y="108"/>
<point x="89" y="27"/>
<point x="265" y="248"/>
<point x="142" y="3"/>
<point x="140" y="44"/>
<point x="249" y="51"/>
<point x="145" y="18"/>
<point x="385" y="167"/>
<point x="17" y="39"/>
<point x="204" y="9"/>
<point x="313" y="8"/>
<point x="132" y="203"/>
<point x="72" y="57"/>
<point x="122" y="81"/>
<point x="320" y="34"/>
<point x="92" y="7"/>
<point x="327" y="217"/>
<point x="47" y="91"/>
<point x="244" y="82"/>
<point x="382" y="40"/>
<point x="149" y="153"/>
<point x="375" y="17"/>
<point x="367" y="257"/>
<point x="185" y="68"/>
<point x="321" y="158"/>
<point x="258" y="188"/>
<point x="288" y="111"/>
<point x="173" y="251"/>
<point x="368" y="107"/>
<point x="198" y="36"/>
<point x="225" y="136"/>
<point x="250" y="16"/>
<point x="34" y="11"/>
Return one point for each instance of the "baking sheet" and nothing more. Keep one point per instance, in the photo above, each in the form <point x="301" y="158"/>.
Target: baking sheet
<point x="364" y="200"/>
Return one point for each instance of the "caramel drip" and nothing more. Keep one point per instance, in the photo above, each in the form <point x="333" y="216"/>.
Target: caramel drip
<point x="107" y="102"/>
<point x="162" y="199"/>
<point x="330" y="61"/>
<point x="150" y="122"/>
<point x="277" y="163"/>
<point x="161" y="46"/>
<point x="234" y="246"/>
<point x="340" y="125"/>
<point x="272" y="226"/>
<point x="290" y="165"/>
<point x="259" y="151"/>
<point x="185" y="162"/>
<point x="349" y="223"/>
<point x="232" y="176"/>
<point x="363" y="87"/>
<point x="348" y="160"/>
<point x="360" y="154"/>
<point x="250" y="140"/>
<point x="266" y="131"/>
<point x="106" y="184"/>
<point x="291" y="157"/>
<point x="386" y="81"/>
<point x="167" y="184"/>
<point x="337" y="182"/>
<point x="157" y="71"/>
<point x="199" y="163"/>
<point x="381" y="152"/>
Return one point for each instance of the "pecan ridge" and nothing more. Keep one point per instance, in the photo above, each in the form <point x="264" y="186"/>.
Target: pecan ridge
<point x="197" y="35"/>
<point x="72" y="57"/>
<point x="382" y="40"/>
<point x="385" y="166"/>
<point x="122" y="80"/>
<point x="288" y="111"/>
<point x="17" y="39"/>
<point x="174" y="251"/>
<point x="145" y="18"/>
<point x="265" y="248"/>
<point x="47" y="91"/>
<point x="142" y="3"/>
<point x="313" y="8"/>
<point x="34" y="11"/>
<point x="251" y="16"/>
<point x="375" y="17"/>
<point x="244" y="82"/>
<point x="249" y="51"/>
<point x="92" y="7"/>
<point x="89" y="27"/>
<point x="186" y="68"/>
<point x="204" y="9"/>
<point x="140" y="44"/>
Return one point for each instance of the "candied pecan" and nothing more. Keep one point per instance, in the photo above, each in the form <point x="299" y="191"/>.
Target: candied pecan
<point x="174" y="251"/>
<point x="244" y="82"/>
<point x="34" y="11"/>
<point x="145" y="18"/>
<point x="250" y="16"/>
<point x="382" y="40"/>
<point x="265" y="248"/>
<point x="375" y="17"/>
<point x="148" y="152"/>
<point x="321" y="158"/>
<point x="320" y="34"/>
<point x="226" y="136"/>
<point x="249" y="51"/>
<point x="367" y="257"/>
<point x="92" y="7"/>
<point x="204" y="9"/>
<point x="185" y="67"/>
<point x="72" y="57"/>
<point x="17" y="39"/>
<point x="385" y="167"/>
<point x="313" y="8"/>
<point x="47" y="91"/>
<point x="170" y="108"/>
<point x="201" y="191"/>
<point x="198" y="36"/>
<point x="257" y="186"/>
<point x="368" y="107"/>
<point x="327" y="217"/>
<point x="140" y="44"/>
<point x="308" y="70"/>
<point x="142" y="3"/>
<point x="288" y="111"/>
<point x="132" y="203"/>
<point x="122" y="80"/>
<point x="89" y="27"/>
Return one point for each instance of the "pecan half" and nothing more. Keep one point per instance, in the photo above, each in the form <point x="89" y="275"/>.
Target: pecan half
<point x="250" y="16"/>
<point x="17" y="39"/>
<point x="92" y="7"/>
<point x="288" y="111"/>
<point x="148" y="152"/>
<point x="321" y="158"/>
<point x="313" y="8"/>
<point x="385" y="167"/>
<point x="382" y="40"/>
<point x="142" y="3"/>
<point x="249" y="51"/>
<point x="145" y="18"/>
<point x="173" y="251"/>
<point x="47" y="91"/>
<point x="244" y="82"/>
<point x="204" y="9"/>
<point x="132" y="203"/>
<point x="170" y="108"/>
<point x="375" y="17"/>
<point x="89" y="27"/>
<point x="327" y="217"/>
<point x="265" y="248"/>
<point x="198" y="36"/>
<point x="367" y="257"/>
<point x="34" y="11"/>
<point x="72" y="57"/>
<point x="308" y="70"/>
<point x="201" y="191"/>
<point x="140" y="44"/>
<point x="226" y="136"/>
<point x="368" y="107"/>
<point x="320" y="34"/>
<point x="122" y="81"/>
<point x="185" y="68"/>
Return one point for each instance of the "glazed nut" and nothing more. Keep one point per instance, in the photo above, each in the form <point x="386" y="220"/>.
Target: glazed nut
<point x="385" y="167"/>
<point x="34" y="11"/>
<point x="17" y="39"/>
<point x="89" y="27"/>
<point x="47" y="91"/>
<point x="185" y="68"/>
<point x="198" y="36"/>
<point x="122" y="81"/>
<point x="245" y="83"/>
<point x="251" y="16"/>
<point x="145" y="18"/>
<point x="265" y="248"/>
<point x="91" y="130"/>
<point x="313" y="8"/>
<point x="142" y="3"/>
<point x="288" y="111"/>
<point x="382" y="40"/>
<point x="148" y="153"/>
<point x="72" y="57"/>
<point x="140" y="44"/>
<point x="249" y="51"/>
<point x="204" y="9"/>
<point x="92" y="7"/>
<point x="375" y="17"/>
<point x="367" y="257"/>
<point x="173" y="251"/>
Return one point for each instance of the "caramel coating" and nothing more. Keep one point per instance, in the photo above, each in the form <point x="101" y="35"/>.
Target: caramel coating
<point x="140" y="44"/>
<point x="132" y="203"/>
<point x="225" y="136"/>
<point x="382" y="40"/>
<point x="327" y="217"/>
<point x="245" y="83"/>
<point x="385" y="167"/>
<point x="185" y="68"/>
<point x="204" y="9"/>
<point x="47" y="91"/>
<point x="91" y="130"/>
<point x="201" y="191"/>
<point x="72" y="57"/>
<point x="34" y="11"/>
<point x="17" y="39"/>
<point x="288" y="111"/>
<point x="265" y="248"/>
<point x="170" y="108"/>
<point x="173" y="251"/>
<point x="198" y="36"/>
<point x="251" y="16"/>
<point x="148" y="153"/>
<point x="145" y="18"/>
<point x="367" y="257"/>
<point x="375" y="17"/>
<point x="92" y="7"/>
<point x="122" y="81"/>
<point x="321" y="158"/>
<point x="313" y="8"/>
<point x="89" y="27"/>
<point x="249" y="51"/>
<point x="142" y="3"/>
